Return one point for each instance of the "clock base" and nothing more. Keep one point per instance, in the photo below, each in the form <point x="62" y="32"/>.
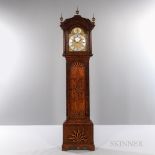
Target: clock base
<point x="78" y="135"/>
<point x="66" y="147"/>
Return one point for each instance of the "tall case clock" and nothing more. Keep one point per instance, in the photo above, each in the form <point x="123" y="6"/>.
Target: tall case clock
<point x="77" y="49"/>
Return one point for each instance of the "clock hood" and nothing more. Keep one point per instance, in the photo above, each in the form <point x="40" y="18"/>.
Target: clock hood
<point x="77" y="20"/>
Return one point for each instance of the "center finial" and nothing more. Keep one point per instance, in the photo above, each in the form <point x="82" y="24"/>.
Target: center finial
<point x="77" y="11"/>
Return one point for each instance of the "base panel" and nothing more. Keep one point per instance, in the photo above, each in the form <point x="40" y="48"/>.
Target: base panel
<point x="78" y="136"/>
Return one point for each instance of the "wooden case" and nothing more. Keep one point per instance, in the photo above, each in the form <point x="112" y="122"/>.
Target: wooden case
<point x="78" y="128"/>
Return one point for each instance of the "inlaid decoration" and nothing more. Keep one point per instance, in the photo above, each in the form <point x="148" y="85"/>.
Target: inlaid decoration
<point x="78" y="136"/>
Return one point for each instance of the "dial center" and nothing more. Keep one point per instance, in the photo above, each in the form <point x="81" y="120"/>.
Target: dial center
<point x="77" y="39"/>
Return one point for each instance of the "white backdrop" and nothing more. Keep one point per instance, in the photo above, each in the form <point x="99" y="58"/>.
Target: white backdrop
<point x="32" y="69"/>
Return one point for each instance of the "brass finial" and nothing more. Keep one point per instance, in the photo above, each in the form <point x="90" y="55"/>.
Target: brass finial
<point x="77" y="11"/>
<point x="93" y="19"/>
<point x="61" y="18"/>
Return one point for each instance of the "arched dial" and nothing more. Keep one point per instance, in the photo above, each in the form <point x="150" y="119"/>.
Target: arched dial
<point x="77" y="40"/>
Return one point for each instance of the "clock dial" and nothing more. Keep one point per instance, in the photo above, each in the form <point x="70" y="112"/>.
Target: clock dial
<point x="77" y="40"/>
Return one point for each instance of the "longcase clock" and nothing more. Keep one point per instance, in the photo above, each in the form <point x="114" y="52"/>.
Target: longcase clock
<point x="78" y="128"/>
